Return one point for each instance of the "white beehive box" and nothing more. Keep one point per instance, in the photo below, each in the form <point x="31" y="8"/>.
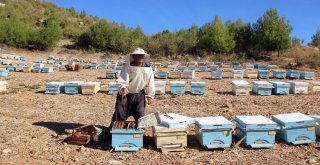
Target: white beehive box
<point x="160" y="87"/>
<point x="237" y="74"/>
<point x="188" y="74"/>
<point x="298" y="87"/>
<point x="3" y="86"/>
<point x="241" y="87"/>
<point x="314" y="87"/>
<point x="90" y="88"/>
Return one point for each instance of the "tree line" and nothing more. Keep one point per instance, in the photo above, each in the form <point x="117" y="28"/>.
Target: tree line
<point x="20" y="26"/>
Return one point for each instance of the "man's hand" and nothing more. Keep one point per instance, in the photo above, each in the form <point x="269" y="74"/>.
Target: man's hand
<point x="150" y="101"/>
<point x="124" y="91"/>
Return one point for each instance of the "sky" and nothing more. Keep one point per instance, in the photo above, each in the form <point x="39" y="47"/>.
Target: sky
<point x="156" y="15"/>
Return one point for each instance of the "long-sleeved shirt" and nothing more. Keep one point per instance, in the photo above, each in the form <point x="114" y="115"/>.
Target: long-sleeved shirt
<point x="136" y="79"/>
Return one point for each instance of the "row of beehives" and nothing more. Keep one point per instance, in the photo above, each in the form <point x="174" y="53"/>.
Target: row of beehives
<point x="73" y="87"/>
<point x="11" y="57"/>
<point x="216" y="132"/>
<point x="242" y="87"/>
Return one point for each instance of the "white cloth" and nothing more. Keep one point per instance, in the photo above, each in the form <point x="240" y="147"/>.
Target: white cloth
<point x="136" y="79"/>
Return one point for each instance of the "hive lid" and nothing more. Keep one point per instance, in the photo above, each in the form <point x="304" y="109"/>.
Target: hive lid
<point x="3" y="82"/>
<point x="279" y="83"/>
<point x="218" y="122"/>
<point x="160" y="82"/>
<point x="197" y="83"/>
<point x="262" y="84"/>
<point x="91" y="83"/>
<point x="240" y="83"/>
<point x="177" y="82"/>
<point x="293" y="120"/>
<point x="255" y="122"/>
<point x="172" y="120"/>
<point x="298" y="83"/>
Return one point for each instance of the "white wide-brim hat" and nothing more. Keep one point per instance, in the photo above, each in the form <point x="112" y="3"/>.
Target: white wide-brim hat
<point x="139" y="51"/>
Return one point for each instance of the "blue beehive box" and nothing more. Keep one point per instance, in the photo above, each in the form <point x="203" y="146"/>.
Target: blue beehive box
<point x="47" y="69"/>
<point x="4" y="73"/>
<point x="111" y="74"/>
<point x="202" y="68"/>
<point x="11" y="68"/>
<point x="296" y="128"/>
<point x="177" y="87"/>
<point x="198" y="88"/>
<point x="113" y="88"/>
<point x="214" y="132"/>
<point x="262" y="87"/>
<point x="36" y="70"/>
<point x="72" y="87"/>
<point x="259" y="131"/>
<point x="293" y="74"/>
<point x="214" y="67"/>
<point x="307" y="75"/>
<point x="23" y="58"/>
<point x="125" y="137"/>
<point x="38" y="60"/>
<point x="161" y="74"/>
<point x="192" y="67"/>
<point x="54" y="87"/>
<point x="93" y="66"/>
<point x="216" y="74"/>
<point x="279" y="74"/>
<point x="263" y="74"/>
<point x="103" y="66"/>
<point x="280" y="88"/>
<point x="181" y="68"/>
<point x="172" y="120"/>
<point x="260" y="67"/>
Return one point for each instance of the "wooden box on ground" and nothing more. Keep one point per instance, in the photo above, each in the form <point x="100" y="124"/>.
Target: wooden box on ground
<point x="72" y="87"/>
<point x="307" y="75"/>
<point x="296" y="128"/>
<point x="177" y="87"/>
<point x="174" y="75"/>
<point x="241" y="87"/>
<point x="237" y="74"/>
<point x="188" y="74"/>
<point x="251" y="73"/>
<point x="90" y="88"/>
<point x="54" y="87"/>
<point x="3" y="86"/>
<point x="298" y="87"/>
<point x="198" y="88"/>
<point x="170" y="139"/>
<point x="160" y="87"/>
<point x="314" y="87"/>
<point x="280" y="88"/>
<point x="262" y="88"/>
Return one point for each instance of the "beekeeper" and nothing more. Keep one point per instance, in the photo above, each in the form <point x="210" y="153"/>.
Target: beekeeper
<point x="136" y="87"/>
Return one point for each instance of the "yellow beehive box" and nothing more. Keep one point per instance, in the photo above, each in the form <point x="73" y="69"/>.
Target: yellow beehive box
<point x="251" y="73"/>
<point x="170" y="139"/>
<point x="27" y="69"/>
<point x="3" y="86"/>
<point x="174" y="75"/>
<point x="314" y="87"/>
<point x="89" y="88"/>
<point x="227" y="74"/>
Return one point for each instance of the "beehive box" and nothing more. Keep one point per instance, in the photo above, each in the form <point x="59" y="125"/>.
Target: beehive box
<point x="263" y="74"/>
<point x="293" y="74"/>
<point x="170" y="139"/>
<point x="89" y="88"/>
<point x="241" y="87"/>
<point x="216" y="75"/>
<point x="317" y="118"/>
<point x="47" y="70"/>
<point x="160" y="87"/>
<point x="172" y="120"/>
<point x="248" y="66"/>
<point x="36" y="70"/>
<point x="112" y="66"/>
<point x="188" y="74"/>
<point x="260" y="67"/>
<point x="3" y="86"/>
<point x="172" y="68"/>
<point x="62" y="58"/>
<point x="280" y="88"/>
<point x="202" y="68"/>
<point x="271" y="68"/>
<point x="251" y="73"/>
<point x="198" y="88"/>
<point x="214" y="132"/>
<point x="27" y="69"/>
<point x="174" y="75"/>
<point x="177" y="87"/>
<point x="111" y="74"/>
<point x="314" y="87"/>
<point x="298" y="87"/>
<point x="227" y="74"/>
<point x="6" y="62"/>
<point x="54" y="87"/>
<point x="214" y="67"/>
<point x="307" y="75"/>
<point x="257" y="131"/>
<point x="209" y="64"/>
<point x="202" y="64"/>
<point x="237" y="74"/>
<point x="19" y="68"/>
<point x="262" y="88"/>
<point x="73" y="87"/>
<point x="11" y="68"/>
<point x="181" y="68"/>
<point x="125" y="137"/>
<point x="295" y="128"/>
<point x="161" y="74"/>
<point x="192" y="67"/>
<point x="4" y="73"/>
<point x="280" y="74"/>
<point x="113" y="88"/>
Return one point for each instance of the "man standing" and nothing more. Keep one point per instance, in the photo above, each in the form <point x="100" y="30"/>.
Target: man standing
<point x="136" y="87"/>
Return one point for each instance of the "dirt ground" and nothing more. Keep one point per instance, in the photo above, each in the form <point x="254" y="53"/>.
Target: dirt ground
<point x="33" y="125"/>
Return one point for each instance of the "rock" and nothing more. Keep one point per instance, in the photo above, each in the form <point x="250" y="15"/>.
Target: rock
<point x="6" y="151"/>
<point x="114" y="162"/>
<point x="82" y="149"/>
